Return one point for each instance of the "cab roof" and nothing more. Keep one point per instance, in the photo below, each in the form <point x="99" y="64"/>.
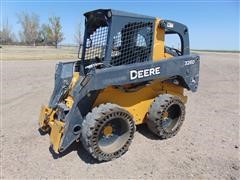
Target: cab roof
<point x="117" y="13"/>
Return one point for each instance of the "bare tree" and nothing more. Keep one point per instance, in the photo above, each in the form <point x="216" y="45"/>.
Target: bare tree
<point x="30" y="27"/>
<point x="6" y="34"/>
<point x="54" y="30"/>
<point x="43" y="36"/>
<point x="78" y="34"/>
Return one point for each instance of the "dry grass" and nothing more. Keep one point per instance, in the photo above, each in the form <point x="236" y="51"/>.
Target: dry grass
<point x="37" y="53"/>
<point x="12" y="52"/>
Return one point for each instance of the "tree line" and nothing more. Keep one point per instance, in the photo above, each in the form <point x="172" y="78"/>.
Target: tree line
<point x="32" y="33"/>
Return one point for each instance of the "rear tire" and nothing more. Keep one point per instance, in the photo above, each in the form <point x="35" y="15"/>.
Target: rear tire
<point x="107" y="132"/>
<point x="166" y="116"/>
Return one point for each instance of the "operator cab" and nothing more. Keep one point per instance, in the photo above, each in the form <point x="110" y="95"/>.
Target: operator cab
<point x="114" y="38"/>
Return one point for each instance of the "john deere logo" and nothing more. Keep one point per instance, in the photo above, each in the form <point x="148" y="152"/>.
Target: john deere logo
<point x="138" y="74"/>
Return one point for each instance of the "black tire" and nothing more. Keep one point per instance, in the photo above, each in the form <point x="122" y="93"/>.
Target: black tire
<point x="166" y="116"/>
<point x="102" y="144"/>
<point x="44" y="130"/>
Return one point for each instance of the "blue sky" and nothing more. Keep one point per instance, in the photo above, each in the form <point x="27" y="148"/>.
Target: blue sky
<point x="212" y="24"/>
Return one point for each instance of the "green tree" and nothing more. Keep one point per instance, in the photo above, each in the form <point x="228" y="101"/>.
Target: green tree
<point x="43" y="36"/>
<point x="6" y="34"/>
<point x="54" y="30"/>
<point x="30" y="27"/>
<point x="78" y="34"/>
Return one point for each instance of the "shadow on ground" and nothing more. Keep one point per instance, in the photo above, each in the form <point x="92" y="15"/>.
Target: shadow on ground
<point x="143" y="130"/>
<point x="86" y="157"/>
<point x="82" y="153"/>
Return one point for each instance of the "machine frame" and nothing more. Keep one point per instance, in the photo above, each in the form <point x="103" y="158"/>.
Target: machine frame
<point x="81" y="86"/>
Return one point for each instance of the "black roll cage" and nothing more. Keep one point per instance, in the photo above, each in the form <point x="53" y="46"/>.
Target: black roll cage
<point x="104" y="17"/>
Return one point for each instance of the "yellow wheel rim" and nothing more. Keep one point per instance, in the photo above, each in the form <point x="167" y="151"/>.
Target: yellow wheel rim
<point x="107" y="131"/>
<point x="165" y="115"/>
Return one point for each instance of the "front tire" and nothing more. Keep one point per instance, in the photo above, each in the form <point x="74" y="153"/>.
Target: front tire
<point x="166" y="116"/>
<point x="107" y="132"/>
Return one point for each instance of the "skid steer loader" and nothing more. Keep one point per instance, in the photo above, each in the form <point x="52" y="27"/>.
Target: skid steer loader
<point x="125" y="76"/>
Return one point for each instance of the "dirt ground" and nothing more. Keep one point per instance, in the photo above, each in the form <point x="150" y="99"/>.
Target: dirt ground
<point x="206" y="147"/>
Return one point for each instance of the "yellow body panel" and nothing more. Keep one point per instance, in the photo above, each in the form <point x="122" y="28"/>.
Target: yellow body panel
<point x="42" y="116"/>
<point x="159" y="43"/>
<point x="75" y="78"/>
<point x="69" y="100"/>
<point x="46" y="119"/>
<point x="46" y="115"/>
<point x="158" y="46"/>
<point x="138" y="102"/>
<point x="166" y="55"/>
<point x="56" y="134"/>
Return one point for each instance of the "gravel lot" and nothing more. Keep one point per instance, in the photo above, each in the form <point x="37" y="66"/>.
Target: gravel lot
<point x="206" y="147"/>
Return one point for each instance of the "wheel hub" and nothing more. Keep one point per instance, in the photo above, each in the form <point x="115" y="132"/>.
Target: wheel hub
<point x="165" y="115"/>
<point x="108" y="130"/>
<point x="171" y="117"/>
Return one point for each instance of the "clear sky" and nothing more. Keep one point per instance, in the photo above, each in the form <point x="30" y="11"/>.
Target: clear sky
<point x="212" y="24"/>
